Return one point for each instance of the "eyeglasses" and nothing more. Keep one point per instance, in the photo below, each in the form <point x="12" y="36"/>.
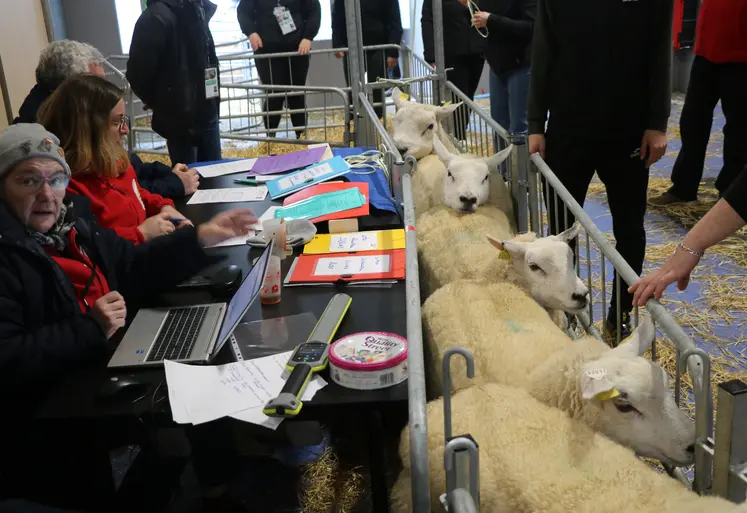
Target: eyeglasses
<point x="122" y="123"/>
<point x="33" y="183"/>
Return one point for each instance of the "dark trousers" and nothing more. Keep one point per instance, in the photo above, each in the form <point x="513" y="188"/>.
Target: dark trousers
<point x="283" y="71"/>
<point x="709" y="83"/>
<point x="574" y="160"/>
<point x="376" y="69"/>
<point x="205" y="148"/>
<point x="465" y="75"/>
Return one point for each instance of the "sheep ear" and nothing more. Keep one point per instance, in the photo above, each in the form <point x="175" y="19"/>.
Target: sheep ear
<point x="495" y="243"/>
<point x="637" y="343"/>
<point x="570" y="234"/>
<point x="443" y="153"/>
<point x="496" y="160"/>
<point x="516" y="251"/>
<point x="444" y="111"/>
<point x="596" y="384"/>
<point x="397" y="97"/>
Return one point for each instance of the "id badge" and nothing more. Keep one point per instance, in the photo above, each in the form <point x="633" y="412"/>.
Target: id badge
<point x="285" y="20"/>
<point x="211" y="83"/>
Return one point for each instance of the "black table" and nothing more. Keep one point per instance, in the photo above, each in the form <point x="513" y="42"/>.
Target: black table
<point x="372" y="309"/>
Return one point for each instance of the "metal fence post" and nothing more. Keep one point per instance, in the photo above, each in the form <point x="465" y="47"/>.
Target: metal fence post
<point x="520" y="181"/>
<point x="354" y="61"/>
<point x="730" y="455"/>
<point x="438" y="49"/>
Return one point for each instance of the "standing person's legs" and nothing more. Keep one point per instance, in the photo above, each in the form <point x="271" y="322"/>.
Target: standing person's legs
<point x="346" y="73"/>
<point x="376" y="67"/>
<point x="459" y="76"/>
<point x="209" y="148"/>
<point x="182" y="151"/>
<point x="299" y="70"/>
<point x="570" y="159"/>
<point x="499" y="111"/>
<point x="271" y="72"/>
<point x="518" y="97"/>
<point x="626" y="180"/>
<point x="695" y="130"/>
<point x="732" y="80"/>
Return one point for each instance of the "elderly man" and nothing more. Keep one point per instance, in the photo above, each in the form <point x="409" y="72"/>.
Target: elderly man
<point x="63" y="58"/>
<point x="65" y="286"/>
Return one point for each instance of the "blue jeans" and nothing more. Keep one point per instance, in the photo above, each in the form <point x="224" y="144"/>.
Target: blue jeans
<point x="205" y="149"/>
<point x="508" y="104"/>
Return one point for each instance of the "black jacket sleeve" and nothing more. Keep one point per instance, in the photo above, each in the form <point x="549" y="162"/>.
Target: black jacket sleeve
<point x="245" y="14"/>
<point x="393" y="27"/>
<point x="31" y="357"/>
<point x="157" y="178"/>
<point x="736" y="194"/>
<point x="149" y="41"/>
<point x="660" y="68"/>
<point x="313" y="16"/>
<point x="509" y="29"/>
<point x="339" y="27"/>
<point x="542" y="61"/>
<point x="426" y="26"/>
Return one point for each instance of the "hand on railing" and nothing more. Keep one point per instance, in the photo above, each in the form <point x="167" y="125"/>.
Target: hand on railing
<point x="255" y="41"/>
<point x="339" y="55"/>
<point x="676" y="269"/>
<point x="305" y="47"/>
<point x="537" y="144"/>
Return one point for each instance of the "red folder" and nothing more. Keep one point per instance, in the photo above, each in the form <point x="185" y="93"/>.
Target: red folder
<point x="347" y="267"/>
<point x="322" y="188"/>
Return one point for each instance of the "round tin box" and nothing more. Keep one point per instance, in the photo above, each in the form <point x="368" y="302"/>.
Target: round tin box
<point x="368" y="360"/>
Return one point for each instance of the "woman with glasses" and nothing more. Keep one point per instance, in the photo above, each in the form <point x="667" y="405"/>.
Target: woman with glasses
<point x="65" y="287"/>
<point x="87" y="114"/>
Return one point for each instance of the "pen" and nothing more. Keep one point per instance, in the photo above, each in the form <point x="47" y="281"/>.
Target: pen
<point x="175" y="220"/>
<point x="246" y="182"/>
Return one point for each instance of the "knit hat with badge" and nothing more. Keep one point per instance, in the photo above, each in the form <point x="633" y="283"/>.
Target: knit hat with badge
<point x="25" y="141"/>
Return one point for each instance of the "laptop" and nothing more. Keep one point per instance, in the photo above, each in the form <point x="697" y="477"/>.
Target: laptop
<point x="191" y="334"/>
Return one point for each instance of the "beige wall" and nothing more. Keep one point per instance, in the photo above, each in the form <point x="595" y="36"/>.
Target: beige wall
<point x="23" y="35"/>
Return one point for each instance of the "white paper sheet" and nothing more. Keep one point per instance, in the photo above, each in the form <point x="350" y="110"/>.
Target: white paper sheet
<point x="226" y="168"/>
<point x="352" y="265"/>
<point x="360" y="241"/>
<point x="228" y="195"/>
<point x="201" y="393"/>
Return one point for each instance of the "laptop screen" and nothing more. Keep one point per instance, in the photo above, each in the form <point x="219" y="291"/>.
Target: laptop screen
<point x="244" y="297"/>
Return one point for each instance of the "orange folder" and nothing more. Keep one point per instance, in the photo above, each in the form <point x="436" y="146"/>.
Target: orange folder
<point x="323" y="188"/>
<point x="351" y="267"/>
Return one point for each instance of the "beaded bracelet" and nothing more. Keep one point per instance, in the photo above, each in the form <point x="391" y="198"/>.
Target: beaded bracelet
<point x="691" y="251"/>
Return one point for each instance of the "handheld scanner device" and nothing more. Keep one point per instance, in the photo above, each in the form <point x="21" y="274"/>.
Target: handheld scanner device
<point x="308" y="358"/>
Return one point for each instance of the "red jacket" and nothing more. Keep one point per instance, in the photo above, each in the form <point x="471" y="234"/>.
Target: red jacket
<point x="119" y="203"/>
<point x="78" y="267"/>
<point x="721" y="34"/>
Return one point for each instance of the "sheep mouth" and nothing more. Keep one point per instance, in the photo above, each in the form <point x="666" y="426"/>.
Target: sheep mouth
<point x="672" y="462"/>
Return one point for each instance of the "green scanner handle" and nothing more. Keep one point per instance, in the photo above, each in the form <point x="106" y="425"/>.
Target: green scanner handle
<point x="288" y="403"/>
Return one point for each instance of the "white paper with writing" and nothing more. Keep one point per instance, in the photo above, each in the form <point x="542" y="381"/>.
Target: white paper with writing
<point x="226" y="168"/>
<point x="307" y="175"/>
<point x="369" y="264"/>
<point x="228" y="195"/>
<point x="364" y="241"/>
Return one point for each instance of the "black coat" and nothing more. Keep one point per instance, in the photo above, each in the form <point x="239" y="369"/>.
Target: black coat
<point x="381" y="23"/>
<point x="460" y="38"/>
<point x="30" y="106"/>
<point x="43" y="334"/>
<point x="510" y="27"/>
<point x="257" y="16"/>
<point x="171" y="48"/>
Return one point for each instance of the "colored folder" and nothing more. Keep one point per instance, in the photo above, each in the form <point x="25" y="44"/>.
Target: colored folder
<point x="349" y="267"/>
<point x="355" y="242"/>
<point x="277" y="164"/>
<point x="293" y="182"/>
<point x="323" y="188"/>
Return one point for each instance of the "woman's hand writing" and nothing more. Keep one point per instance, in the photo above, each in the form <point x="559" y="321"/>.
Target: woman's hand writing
<point x="156" y="225"/>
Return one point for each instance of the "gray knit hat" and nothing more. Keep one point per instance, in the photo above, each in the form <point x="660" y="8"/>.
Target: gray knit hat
<point x="25" y="141"/>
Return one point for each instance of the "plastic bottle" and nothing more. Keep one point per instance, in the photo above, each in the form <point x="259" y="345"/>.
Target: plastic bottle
<point x="272" y="285"/>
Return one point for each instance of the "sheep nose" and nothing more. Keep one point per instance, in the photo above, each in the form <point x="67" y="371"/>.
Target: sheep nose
<point x="690" y="449"/>
<point x="580" y="298"/>
<point x="402" y="149"/>
<point x="468" y="200"/>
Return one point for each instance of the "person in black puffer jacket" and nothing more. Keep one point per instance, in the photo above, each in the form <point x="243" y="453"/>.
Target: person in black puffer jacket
<point x="259" y="23"/>
<point x="174" y="70"/>
<point x="463" y="52"/>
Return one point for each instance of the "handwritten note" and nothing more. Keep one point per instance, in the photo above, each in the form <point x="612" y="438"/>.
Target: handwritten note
<point x="228" y="195"/>
<point x="199" y="394"/>
<point x="226" y="168"/>
<point x="369" y="264"/>
<point x="354" y="242"/>
<point x="307" y="175"/>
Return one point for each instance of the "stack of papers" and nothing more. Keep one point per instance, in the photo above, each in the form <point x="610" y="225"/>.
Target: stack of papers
<point x="226" y="168"/>
<point x="202" y="393"/>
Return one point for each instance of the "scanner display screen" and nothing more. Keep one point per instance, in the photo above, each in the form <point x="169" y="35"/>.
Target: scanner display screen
<point x="309" y="352"/>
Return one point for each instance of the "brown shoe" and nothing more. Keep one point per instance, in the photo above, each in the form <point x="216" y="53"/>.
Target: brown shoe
<point x="667" y="199"/>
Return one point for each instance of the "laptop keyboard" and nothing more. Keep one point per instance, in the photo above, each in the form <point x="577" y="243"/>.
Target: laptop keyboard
<point x="178" y="334"/>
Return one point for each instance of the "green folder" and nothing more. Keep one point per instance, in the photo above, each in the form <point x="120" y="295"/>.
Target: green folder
<point x="322" y="204"/>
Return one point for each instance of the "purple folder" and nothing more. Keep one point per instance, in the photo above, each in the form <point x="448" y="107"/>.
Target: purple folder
<point x="278" y="164"/>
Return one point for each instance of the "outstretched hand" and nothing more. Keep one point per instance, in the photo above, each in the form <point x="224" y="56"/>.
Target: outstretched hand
<point x="226" y="225"/>
<point x="677" y="268"/>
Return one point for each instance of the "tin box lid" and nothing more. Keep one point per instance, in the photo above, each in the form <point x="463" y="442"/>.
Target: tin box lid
<point x="368" y="351"/>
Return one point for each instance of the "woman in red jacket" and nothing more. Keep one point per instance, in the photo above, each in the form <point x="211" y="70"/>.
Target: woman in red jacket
<point x="86" y="113"/>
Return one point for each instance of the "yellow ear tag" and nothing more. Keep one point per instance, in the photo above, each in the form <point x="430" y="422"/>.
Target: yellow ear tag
<point x="609" y="394"/>
<point x="404" y="97"/>
<point x="504" y="255"/>
<point x="446" y="104"/>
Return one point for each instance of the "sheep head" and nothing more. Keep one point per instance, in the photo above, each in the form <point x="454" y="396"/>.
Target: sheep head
<point x="467" y="180"/>
<point x="633" y="401"/>
<point x="545" y="265"/>
<point x="415" y="124"/>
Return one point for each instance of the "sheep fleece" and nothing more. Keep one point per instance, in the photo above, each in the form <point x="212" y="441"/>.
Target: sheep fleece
<point x="535" y="459"/>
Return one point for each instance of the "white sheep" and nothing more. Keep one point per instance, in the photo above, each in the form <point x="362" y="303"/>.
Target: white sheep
<point x="454" y="246"/>
<point x="536" y="459"/>
<point x="514" y="342"/>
